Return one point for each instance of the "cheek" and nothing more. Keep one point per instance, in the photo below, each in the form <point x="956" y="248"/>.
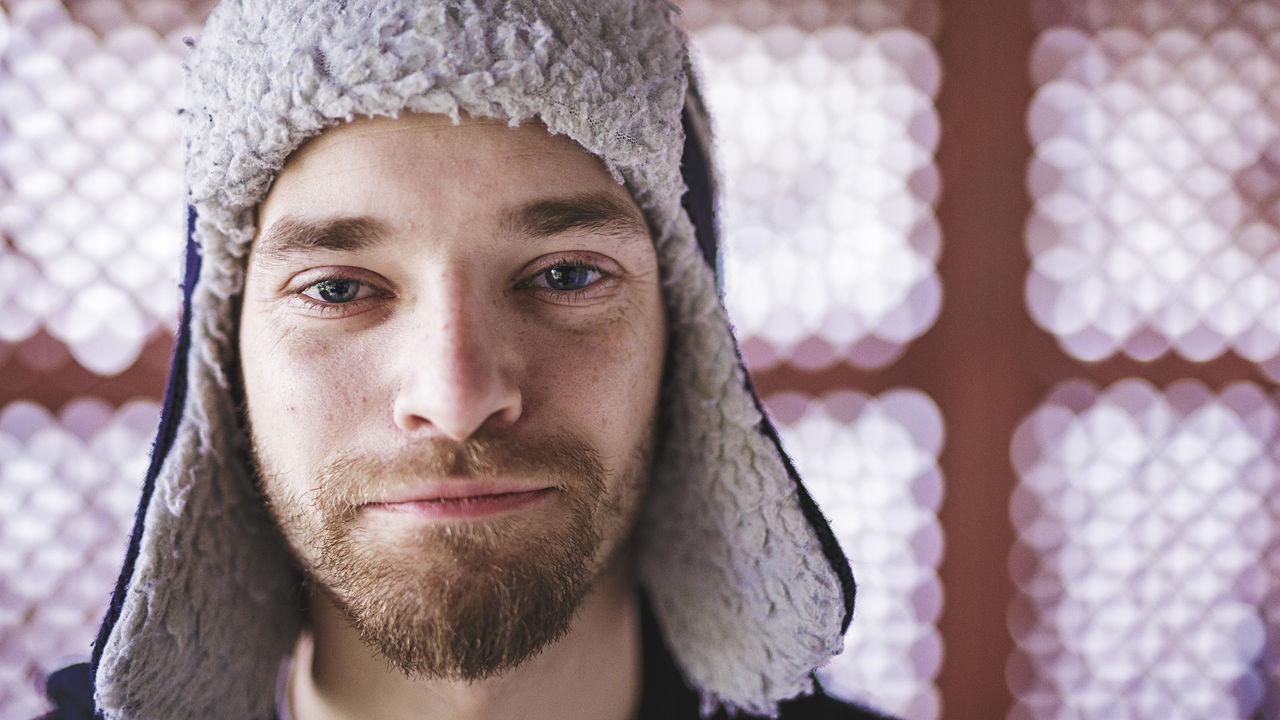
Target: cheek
<point x="604" y="384"/>
<point x="302" y="393"/>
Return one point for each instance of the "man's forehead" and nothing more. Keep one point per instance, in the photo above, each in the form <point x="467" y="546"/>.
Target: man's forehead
<point x="426" y="149"/>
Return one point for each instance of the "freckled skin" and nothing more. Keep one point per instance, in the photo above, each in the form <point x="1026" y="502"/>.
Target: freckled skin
<point x="594" y="367"/>
<point x="577" y="364"/>
<point x="452" y="341"/>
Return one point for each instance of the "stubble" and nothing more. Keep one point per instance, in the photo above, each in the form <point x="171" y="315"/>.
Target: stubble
<point x="460" y="600"/>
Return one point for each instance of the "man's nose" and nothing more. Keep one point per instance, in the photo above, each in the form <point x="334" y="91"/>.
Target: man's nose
<point x="459" y="372"/>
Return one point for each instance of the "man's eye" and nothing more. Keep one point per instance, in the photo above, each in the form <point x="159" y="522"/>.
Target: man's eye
<point x="336" y="291"/>
<point x="567" y="278"/>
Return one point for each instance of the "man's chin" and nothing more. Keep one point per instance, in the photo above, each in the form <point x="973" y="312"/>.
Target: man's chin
<point x="460" y="601"/>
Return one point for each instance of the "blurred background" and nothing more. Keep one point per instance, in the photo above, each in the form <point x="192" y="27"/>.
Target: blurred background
<point x="1006" y="272"/>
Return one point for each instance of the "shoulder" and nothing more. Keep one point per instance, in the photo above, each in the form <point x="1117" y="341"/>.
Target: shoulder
<point x="822" y="707"/>
<point x="71" y="692"/>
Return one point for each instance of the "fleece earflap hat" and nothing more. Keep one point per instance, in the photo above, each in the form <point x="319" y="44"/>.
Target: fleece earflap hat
<point x="745" y="579"/>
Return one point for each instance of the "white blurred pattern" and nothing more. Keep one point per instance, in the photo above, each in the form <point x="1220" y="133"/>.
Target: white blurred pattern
<point x="91" y="194"/>
<point x="825" y="140"/>
<point x="1148" y="560"/>
<point x="68" y="488"/>
<point x="1156" y="179"/>
<point x="871" y="465"/>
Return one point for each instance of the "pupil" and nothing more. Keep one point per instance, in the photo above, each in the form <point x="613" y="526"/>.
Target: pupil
<point x="568" y="277"/>
<point x="337" y="291"/>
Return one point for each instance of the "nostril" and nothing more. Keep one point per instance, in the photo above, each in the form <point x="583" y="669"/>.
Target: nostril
<point x="456" y="407"/>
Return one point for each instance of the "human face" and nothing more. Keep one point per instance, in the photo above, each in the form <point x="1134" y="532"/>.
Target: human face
<point x="451" y="344"/>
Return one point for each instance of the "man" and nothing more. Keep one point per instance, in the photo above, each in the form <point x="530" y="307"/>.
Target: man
<point x="456" y="427"/>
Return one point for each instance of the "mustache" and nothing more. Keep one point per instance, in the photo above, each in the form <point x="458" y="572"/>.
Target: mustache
<point x="351" y="478"/>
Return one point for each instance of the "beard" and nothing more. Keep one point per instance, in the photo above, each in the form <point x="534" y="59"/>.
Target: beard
<point x="464" y="600"/>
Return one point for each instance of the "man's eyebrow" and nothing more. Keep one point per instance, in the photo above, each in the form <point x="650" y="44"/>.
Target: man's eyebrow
<point x="598" y="212"/>
<point x="291" y="234"/>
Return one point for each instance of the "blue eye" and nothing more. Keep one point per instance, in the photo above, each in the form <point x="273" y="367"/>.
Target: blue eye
<point x="340" y="290"/>
<point x="567" y="278"/>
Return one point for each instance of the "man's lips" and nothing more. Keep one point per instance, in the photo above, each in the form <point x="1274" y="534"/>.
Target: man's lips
<point x="463" y="499"/>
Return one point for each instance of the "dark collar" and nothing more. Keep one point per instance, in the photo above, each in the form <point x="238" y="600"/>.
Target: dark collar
<point x="665" y="693"/>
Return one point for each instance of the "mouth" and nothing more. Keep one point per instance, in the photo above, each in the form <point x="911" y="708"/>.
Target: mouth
<point x="463" y="503"/>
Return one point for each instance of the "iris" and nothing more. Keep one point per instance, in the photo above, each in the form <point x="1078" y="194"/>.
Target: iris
<point x="568" y="277"/>
<point x="338" y="291"/>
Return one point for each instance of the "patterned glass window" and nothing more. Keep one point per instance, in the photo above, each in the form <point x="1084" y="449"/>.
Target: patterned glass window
<point x="90" y="166"/>
<point x="70" y="485"/>
<point x="1147" y="517"/>
<point x="826" y="131"/>
<point x="1156" y="179"/>
<point x="1148" y="555"/>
